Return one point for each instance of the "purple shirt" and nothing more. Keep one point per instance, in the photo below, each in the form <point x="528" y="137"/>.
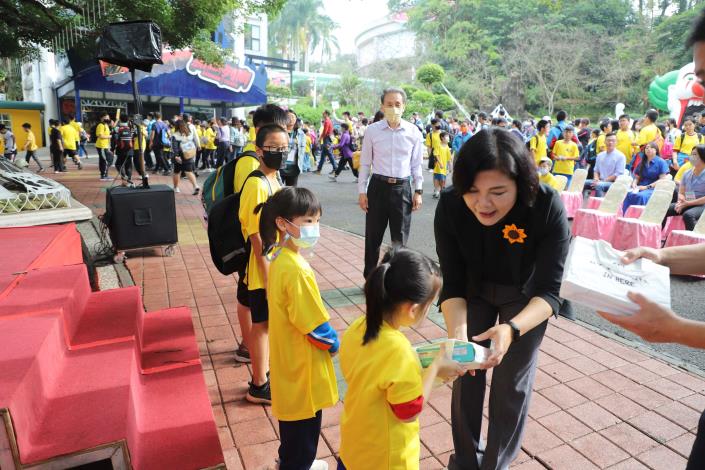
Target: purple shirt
<point x="610" y="164"/>
<point x="344" y="145"/>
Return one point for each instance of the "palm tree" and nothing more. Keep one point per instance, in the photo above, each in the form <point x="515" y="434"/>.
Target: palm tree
<point x="300" y="28"/>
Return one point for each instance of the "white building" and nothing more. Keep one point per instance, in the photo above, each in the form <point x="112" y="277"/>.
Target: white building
<point x="385" y="39"/>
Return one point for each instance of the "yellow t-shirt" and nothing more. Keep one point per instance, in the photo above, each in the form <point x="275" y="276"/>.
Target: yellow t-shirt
<point x="251" y="136"/>
<point x="31" y="142"/>
<point x="433" y="142"/>
<point x="685" y="143"/>
<point x="254" y="192"/>
<point x="538" y="145"/>
<point x="625" y="144"/>
<point x="102" y="142"/>
<point x="383" y="372"/>
<point x="550" y="180"/>
<point x="244" y="166"/>
<point x="302" y="376"/>
<point x="69" y="136"/>
<point x="308" y="144"/>
<point x="334" y="141"/>
<point x="681" y="171"/>
<point x="565" y="149"/>
<point x="210" y="136"/>
<point x="442" y="161"/>
<point x="143" y="130"/>
<point x="600" y="145"/>
<point x="647" y="134"/>
<point x="77" y="127"/>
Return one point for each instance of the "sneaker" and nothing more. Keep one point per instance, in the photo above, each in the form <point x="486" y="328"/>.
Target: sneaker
<point x="242" y="355"/>
<point x="56" y="172"/>
<point x="319" y="465"/>
<point x="317" y="172"/>
<point x="80" y="167"/>
<point x="356" y="180"/>
<point x="196" y="191"/>
<point x="333" y="178"/>
<point x="177" y="190"/>
<point x="40" y="170"/>
<point x="261" y="394"/>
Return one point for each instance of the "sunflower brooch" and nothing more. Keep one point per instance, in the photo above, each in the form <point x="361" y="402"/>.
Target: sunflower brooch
<point x="514" y="234"/>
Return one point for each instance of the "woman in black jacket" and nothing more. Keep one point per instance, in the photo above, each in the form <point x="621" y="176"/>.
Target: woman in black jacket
<point x="501" y="239"/>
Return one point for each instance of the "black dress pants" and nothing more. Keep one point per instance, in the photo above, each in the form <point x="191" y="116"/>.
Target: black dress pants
<point x="387" y="204"/>
<point x="697" y="455"/>
<point x="510" y="391"/>
<point x="299" y="442"/>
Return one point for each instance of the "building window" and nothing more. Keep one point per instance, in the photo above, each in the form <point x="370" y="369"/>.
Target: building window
<point x="5" y="119"/>
<point x="252" y="37"/>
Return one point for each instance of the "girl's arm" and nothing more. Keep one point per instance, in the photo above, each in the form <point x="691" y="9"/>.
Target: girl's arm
<point x="324" y="337"/>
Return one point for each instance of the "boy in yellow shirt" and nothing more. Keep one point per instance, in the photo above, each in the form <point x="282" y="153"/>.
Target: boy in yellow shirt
<point x="566" y="154"/>
<point x="70" y="137"/>
<point x="30" y="146"/>
<point x="433" y="143"/>
<point x="537" y="143"/>
<point x="626" y="139"/>
<point x="272" y="144"/>
<point x="440" y="169"/>
<point x="545" y="175"/>
<point x="605" y="128"/>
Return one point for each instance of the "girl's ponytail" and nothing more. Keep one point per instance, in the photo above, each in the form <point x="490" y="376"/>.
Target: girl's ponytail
<point x="267" y="224"/>
<point x="376" y="296"/>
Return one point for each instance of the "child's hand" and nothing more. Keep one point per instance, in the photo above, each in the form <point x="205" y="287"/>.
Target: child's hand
<point x="448" y="369"/>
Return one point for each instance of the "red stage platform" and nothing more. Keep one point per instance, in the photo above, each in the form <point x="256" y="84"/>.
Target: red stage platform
<point x="82" y="370"/>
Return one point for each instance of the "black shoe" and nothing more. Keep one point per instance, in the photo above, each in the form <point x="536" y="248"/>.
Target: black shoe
<point x="242" y="355"/>
<point x="196" y="191"/>
<point x="261" y="395"/>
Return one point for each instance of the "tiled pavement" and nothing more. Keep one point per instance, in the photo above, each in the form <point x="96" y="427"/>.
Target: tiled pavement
<point x="597" y="402"/>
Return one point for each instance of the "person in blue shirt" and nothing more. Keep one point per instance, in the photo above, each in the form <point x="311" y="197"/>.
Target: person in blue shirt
<point x="556" y="132"/>
<point x="650" y="170"/>
<point x="462" y="137"/>
<point x="691" y="191"/>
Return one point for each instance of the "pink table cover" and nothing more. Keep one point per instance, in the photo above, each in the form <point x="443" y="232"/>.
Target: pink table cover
<point x="634" y="212"/>
<point x="593" y="224"/>
<point x="632" y="233"/>
<point x="572" y="202"/>
<point x="672" y="223"/>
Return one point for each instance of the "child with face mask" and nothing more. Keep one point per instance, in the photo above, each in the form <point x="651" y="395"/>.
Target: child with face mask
<point x="545" y="175"/>
<point x="302" y="341"/>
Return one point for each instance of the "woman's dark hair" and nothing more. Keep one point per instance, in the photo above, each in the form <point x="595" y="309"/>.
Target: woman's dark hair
<point x="403" y="276"/>
<point x="182" y="127"/>
<point x="265" y="131"/>
<point x="289" y="203"/>
<point x="700" y="150"/>
<point x="379" y="115"/>
<point x="496" y="149"/>
<point x="662" y="129"/>
<point x="345" y="126"/>
<point x="642" y="164"/>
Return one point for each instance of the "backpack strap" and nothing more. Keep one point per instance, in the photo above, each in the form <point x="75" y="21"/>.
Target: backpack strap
<point x="260" y="175"/>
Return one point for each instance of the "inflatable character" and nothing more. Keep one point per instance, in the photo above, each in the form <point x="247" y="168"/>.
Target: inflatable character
<point x="678" y="92"/>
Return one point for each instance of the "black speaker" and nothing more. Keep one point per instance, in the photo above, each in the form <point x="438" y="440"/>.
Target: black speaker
<point x="140" y="218"/>
<point x="132" y="44"/>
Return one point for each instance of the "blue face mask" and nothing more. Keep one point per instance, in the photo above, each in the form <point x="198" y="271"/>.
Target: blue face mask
<point x="308" y="235"/>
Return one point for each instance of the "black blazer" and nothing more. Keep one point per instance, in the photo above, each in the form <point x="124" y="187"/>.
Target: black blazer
<point x="536" y="265"/>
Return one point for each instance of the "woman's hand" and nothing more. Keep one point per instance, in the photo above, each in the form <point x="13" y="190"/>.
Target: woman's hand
<point x="501" y="337"/>
<point x="643" y="252"/>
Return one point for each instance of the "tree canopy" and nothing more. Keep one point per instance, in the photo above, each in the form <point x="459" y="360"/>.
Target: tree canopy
<point x="26" y="25"/>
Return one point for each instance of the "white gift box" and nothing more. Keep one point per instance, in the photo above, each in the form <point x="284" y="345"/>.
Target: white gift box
<point x="595" y="277"/>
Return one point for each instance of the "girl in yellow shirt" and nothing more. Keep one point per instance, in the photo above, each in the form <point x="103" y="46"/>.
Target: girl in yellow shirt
<point x="301" y="339"/>
<point x="386" y="387"/>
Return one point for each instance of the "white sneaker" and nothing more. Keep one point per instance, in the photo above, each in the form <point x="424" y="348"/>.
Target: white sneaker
<point x="319" y="465"/>
<point x="177" y="190"/>
<point x="333" y="177"/>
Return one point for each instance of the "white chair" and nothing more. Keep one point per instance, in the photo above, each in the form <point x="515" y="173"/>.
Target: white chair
<point x="598" y="224"/>
<point x="573" y="197"/>
<point x="646" y="230"/>
<point x="562" y="182"/>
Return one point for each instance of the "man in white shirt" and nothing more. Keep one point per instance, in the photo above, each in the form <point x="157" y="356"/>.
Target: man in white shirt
<point x="391" y="160"/>
<point x="608" y="166"/>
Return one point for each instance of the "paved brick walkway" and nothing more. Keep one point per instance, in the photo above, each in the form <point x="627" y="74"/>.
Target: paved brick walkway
<point x="597" y="403"/>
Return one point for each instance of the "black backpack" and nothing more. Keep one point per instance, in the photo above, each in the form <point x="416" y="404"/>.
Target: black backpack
<point x="94" y="133"/>
<point x="229" y="249"/>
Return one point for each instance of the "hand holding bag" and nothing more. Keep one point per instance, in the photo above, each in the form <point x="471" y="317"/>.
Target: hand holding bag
<point x="595" y="277"/>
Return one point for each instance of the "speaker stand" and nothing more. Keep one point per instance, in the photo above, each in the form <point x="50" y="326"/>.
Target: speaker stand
<point x="139" y="111"/>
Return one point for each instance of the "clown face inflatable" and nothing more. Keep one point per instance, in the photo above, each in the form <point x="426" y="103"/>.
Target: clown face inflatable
<point x="685" y="96"/>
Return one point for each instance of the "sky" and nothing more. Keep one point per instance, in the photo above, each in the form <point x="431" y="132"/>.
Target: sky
<point x="353" y="16"/>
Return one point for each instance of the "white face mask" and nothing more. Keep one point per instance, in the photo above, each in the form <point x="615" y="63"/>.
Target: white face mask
<point x="393" y="114"/>
<point x="543" y="171"/>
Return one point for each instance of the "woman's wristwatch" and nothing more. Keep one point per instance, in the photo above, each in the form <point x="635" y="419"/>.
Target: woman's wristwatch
<point x="516" y="332"/>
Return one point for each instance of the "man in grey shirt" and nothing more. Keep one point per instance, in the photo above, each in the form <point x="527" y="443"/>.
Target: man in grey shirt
<point x="10" y="144"/>
<point x="608" y="166"/>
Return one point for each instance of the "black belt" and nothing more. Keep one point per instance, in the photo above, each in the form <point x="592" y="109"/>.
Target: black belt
<point x="389" y="179"/>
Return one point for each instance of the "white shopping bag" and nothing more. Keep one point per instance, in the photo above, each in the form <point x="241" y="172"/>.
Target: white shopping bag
<point x="595" y="277"/>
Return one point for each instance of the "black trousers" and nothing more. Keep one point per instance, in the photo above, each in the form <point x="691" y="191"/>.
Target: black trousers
<point x="161" y="160"/>
<point x="387" y="204"/>
<point x="124" y="163"/>
<point x="31" y="155"/>
<point x="148" y="162"/>
<point x="510" y="391"/>
<point x="696" y="460"/>
<point x="341" y="166"/>
<point x="105" y="159"/>
<point x="299" y="442"/>
<point x="57" y="160"/>
<point x="690" y="215"/>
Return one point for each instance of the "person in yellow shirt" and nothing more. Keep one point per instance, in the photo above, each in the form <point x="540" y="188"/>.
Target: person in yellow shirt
<point x="301" y="339"/>
<point x="537" y="143"/>
<point x="440" y="169"/>
<point x="605" y="128"/>
<point x="272" y="145"/>
<point x="433" y="143"/>
<point x="545" y="175"/>
<point x="626" y="139"/>
<point x="77" y="127"/>
<point x="685" y="143"/>
<point x="647" y="133"/>
<point x="102" y="145"/>
<point x="247" y="162"/>
<point x="30" y="146"/>
<point x="387" y="388"/>
<point x="70" y="138"/>
<point x="566" y="154"/>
